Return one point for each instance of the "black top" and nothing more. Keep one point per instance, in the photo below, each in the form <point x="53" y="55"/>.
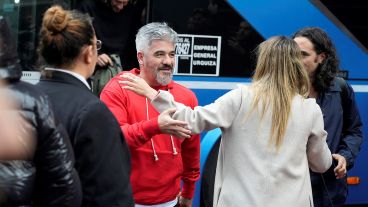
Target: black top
<point x="101" y="154"/>
<point x="116" y="30"/>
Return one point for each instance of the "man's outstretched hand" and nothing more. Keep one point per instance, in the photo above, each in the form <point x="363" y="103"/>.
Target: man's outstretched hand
<point x="171" y="126"/>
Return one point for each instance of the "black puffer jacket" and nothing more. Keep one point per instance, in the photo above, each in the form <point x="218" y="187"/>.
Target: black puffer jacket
<point x="48" y="177"/>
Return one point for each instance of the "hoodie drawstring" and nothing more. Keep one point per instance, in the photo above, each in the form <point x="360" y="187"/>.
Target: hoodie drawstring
<point x="155" y="156"/>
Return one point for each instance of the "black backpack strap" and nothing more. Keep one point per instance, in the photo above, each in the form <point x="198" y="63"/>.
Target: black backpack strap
<point x="344" y="91"/>
<point x="344" y="97"/>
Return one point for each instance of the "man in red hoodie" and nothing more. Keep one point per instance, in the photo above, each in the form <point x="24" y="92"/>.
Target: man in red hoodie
<point x="160" y="160"/>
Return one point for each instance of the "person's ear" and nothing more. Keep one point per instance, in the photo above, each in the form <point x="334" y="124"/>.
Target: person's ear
<point x="321" y="57"/>
<point x="88" y="54"/>
<point x="140" y="57"/>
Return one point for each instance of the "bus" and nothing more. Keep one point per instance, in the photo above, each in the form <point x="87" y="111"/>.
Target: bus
<point x="215" y="49"/>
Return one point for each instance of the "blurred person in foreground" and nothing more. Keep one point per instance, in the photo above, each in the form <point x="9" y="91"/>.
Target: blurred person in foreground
<point x="37" y="161"/>
<point x="271" y="133"/>
<point x="340" y="113"/>
<point x="160" y="160"/>
<point x="69" y="47"/>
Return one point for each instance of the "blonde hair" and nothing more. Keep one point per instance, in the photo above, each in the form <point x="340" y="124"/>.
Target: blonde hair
<point x="279" y="76"/>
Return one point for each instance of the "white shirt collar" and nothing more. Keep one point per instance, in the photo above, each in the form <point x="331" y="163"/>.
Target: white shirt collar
<point x="78" y="76"/>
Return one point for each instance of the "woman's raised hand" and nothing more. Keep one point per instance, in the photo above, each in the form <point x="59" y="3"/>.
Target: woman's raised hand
<point x="137" y="85"/>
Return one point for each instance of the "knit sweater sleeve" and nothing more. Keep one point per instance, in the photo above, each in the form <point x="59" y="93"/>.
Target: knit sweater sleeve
<point x="135" y="133"/>
<point x="318" y="153"/>
<point x="221" y="113"/>
<point x="190" y="151"/>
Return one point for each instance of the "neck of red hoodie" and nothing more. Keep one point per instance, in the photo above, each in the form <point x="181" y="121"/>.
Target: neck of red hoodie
<point x="164" y="88"/>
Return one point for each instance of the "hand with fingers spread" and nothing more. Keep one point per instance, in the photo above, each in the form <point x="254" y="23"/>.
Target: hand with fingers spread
<point x="104" y="60"/>
<point x="137" y="85"/>
<point x="340" y="169"/>
<point x="168" y="125"/>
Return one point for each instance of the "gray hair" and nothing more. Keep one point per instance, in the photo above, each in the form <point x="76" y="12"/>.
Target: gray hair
<point x="154" y="31"/>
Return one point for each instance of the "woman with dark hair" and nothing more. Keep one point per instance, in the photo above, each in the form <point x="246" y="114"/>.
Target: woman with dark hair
<point x="271" y="134"/>
<point x="340" y="112"/>
<point x="37" y="161"/>
<point x="69" y="47"/>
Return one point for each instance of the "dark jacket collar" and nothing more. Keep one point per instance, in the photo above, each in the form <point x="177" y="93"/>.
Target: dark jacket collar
<point x="58" y="76"/>
<point x="334" y="87"/>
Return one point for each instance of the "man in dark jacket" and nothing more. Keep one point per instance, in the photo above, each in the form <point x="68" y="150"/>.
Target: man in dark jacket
<point x="115" y="22"/>
<point x="340" y="113"/>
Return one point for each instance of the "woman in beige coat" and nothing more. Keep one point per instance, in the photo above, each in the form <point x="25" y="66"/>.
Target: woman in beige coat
<point x="271" y="133"/>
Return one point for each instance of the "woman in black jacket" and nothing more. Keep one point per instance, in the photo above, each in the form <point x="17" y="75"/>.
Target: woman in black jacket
<point x="36" y="159"/>
<point x="69" y="47"/>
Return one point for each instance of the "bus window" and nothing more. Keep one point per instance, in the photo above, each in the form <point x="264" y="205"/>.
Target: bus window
<point x="213" y="17"/>
<point x="24" y="18"/>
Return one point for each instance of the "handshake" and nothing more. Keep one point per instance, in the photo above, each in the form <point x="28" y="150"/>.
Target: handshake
<point x="166" y="123"/>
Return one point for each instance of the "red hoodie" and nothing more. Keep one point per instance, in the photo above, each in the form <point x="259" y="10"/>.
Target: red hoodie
<point x="154" y="181"/>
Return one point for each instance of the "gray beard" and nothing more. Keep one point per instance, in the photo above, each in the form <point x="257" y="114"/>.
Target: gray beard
<point x="164" y="80"/>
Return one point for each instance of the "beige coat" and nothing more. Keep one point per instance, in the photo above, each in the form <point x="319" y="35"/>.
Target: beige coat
<point x="249" y="172"/>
